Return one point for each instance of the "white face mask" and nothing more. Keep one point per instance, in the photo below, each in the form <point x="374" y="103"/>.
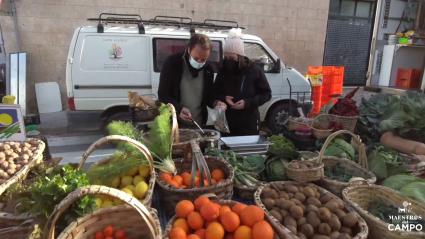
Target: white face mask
<point x="195" y="64"/>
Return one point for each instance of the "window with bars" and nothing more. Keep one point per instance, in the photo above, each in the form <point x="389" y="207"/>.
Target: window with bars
<point x="352" y="10"/>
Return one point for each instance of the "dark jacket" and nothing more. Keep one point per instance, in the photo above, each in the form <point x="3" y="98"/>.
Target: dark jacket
<point x="171" y="77"/>
<point x="250" y="85"/>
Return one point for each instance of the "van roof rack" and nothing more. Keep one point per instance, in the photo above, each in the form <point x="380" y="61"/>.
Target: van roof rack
<point x="178" y="22"/>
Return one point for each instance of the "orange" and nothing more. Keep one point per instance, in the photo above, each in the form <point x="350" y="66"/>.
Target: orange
<point x="218" y="206"/>
<point x="238" y="207"/>
<point x="109" y="238"/>
<point x="183" y="186"/>
<point x="173" y="183"/>
<point x="200" y="201"/>
<point x="243" y="232"/>
<point x="195" y="220"/>
<point x="230" y="221"/>
<point x="207" y="223"/>
<point x="165" y="177"/>
<point x="262" y="230"/>
<point x="120" y="234"/>
<point x="182" y="223"/>
<point x="229" y="236"/>
<point x="197" y="173"/>
<point x="178" y="179"/>
<point x="183" y="208"/>
<point x="187" y="181"/>
<point x="184" y="175"/>
<point x="99" y="235"/>
<point x="215" y="231"/>
<point x="223" y="210"/>
<point x="221" y="180"/>
<point x="251" y="215"/>
<point x="198" y="183"/>
<point x="108" y="231"/>
<point x="177" y="233"/>
<point x="217" y="174"/>
<point x="213" y="181"/>
<point x="209" y="211"/>
<point x="193" y="236"/>
<point x="201" y="233"/>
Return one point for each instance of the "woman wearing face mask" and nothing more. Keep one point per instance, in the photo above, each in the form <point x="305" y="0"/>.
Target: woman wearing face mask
<point x="242" y="86"/>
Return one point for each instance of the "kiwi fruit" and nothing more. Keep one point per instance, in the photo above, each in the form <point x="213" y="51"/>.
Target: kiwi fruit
<point x="309" y="192"/>
<point x="317" y="194"/>
<point x="309" y="164"/>
<point x="301" y="222"/>
<point x="291" y="189"/>
<point x="344" y="236"/>
<point x="296" y="201"/>
<point x="300" y="196"/>
<point x="269" y="203"/>
<point x="311" y="208"/>
<point x="294" y="165"/>
<point x="271" y="194"/>
<point x="286" y="185"/>
<point x="291" y="195"/>
<point x="279" y="202"/>
<point x="284" y="195"/>
<point x="350" y="219"/>
<point x="300" y="189"/>
<point x="279" y="186"/>
<point x="334" y="235"/>
<point x="283" y="213"/>
<point x="340" y="213"/>
<point x="324" y="229"/>
<point x="307" y="230"/>
<point x="292" y="229"/>
<point x="332" y="206"/>
<point x="326" y="199"/>
<point x="263" y="194"/>
<point x="341" y="204"/>
<point x="314" y="201"/>
<point x="296" y="212"/>
<point x="289" y="221"/>
<point x="303" y="207"/>
<point x="320" y="237"/>
<point x="301" y="235"/>
<point x="346" y="230"/>
<point x="313" y="219"/>
<point x="277" y="215"/>
<point x="324" y="214"/>
<point x="303" y="166"/>
<point x="335" y="224"/>
<point x="287" y="205"/>
<point x="276" y="208"/>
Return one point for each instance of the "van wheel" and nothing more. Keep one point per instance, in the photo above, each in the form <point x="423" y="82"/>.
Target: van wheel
<point x="121" y="116"/>
<point x="278" y="118"/>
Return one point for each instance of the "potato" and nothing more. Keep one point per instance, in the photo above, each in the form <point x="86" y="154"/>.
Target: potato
<point x="303" y="166"/>
<point x="25" y="157"/>
<point x="18" y="150"/>
<point x="6" y="147"/>
<point x="8" y="152"/>
<point x="11" y="171"/>
<point x="27" y="145"/>
<point x="4" y="165"/>
<point x="294" y="165"/>
<point x="2" y="155"/>
<point x="18" y="166"/>
<point x="12" y="166"/>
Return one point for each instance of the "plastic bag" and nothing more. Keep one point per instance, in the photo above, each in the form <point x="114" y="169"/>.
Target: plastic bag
<point x="218" y="117"/>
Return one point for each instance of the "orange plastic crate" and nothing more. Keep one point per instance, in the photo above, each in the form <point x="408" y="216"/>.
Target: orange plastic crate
<point x="316" y="70"/>
<point x="408" y="78"/>
<point x="337" y="79"/>
<point x="338" y="70"/>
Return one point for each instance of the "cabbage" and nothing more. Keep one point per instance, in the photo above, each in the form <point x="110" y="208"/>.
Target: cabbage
<point x="396" y="182"/>
<point x="415" y="190"/>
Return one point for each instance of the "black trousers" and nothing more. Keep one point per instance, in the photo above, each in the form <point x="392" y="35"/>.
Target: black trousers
<point x="243" y="123"/>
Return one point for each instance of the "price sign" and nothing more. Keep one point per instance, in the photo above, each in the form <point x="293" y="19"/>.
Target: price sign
<point x="12" y="126"/>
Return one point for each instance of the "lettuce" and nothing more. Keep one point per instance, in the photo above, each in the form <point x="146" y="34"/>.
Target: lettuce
<point x="415" y="190"/>
<point x="396" y="182"/>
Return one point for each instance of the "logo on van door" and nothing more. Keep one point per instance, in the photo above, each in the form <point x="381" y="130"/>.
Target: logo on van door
<point x="115" y="52"/>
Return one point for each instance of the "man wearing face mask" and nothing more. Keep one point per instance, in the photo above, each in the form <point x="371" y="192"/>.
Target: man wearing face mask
<point x="186" y="81"/>
<point x="242" y="86"/>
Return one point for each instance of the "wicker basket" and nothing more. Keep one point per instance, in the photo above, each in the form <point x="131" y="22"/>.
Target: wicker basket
<point x="134" y="218"/>
<point x="361" y="169"/>
<point x="307" y="175"/>
<point x="293" y="124"/>
<point x="321" y="121"/>
<point x="348" y="122"/>
<point x="283" y="232"/>
<point x="179" y="137"/>
<point x="245" y="192"/>
<point x="169" y="195"/>
<point x="360" y="197"/>
<point x="28" y="229"/>
<point x="149" y="195"/>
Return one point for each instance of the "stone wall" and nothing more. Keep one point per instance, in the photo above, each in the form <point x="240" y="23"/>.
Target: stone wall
<point x="294" y="29"/>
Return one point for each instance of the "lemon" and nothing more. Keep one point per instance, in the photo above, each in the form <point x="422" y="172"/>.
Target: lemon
<point x="121" y="186"/>
<point x="131" y="187"/>
<point x="116" y="182"/>
<point x="138" y="179"/>
<point x="118" y="202"/>
<point x="105" y="198"/>
<point x="106" y="204"/>
<point x="128" y="191"/>
<point x="132" y="171"/>
<point x="127" y="180"/>
<point x="98" y="202"/>
<point x="144" y="171"/>
<point x="123" y="174"/>
<point x="141" y="190"/>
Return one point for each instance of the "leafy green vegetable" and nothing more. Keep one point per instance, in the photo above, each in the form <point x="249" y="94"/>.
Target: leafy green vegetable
<point x="415" y="190"/>
<point x="396" y="182"/>
<point x="125" y="129"/>
<point x="385" y="162"/>
<point x="281" y="143"/>
<point x="340" y="148"/>
<point x="339" y="173"/>
<point x="275" y="164"/>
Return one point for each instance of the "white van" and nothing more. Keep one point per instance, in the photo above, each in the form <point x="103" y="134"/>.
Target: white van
<point x="105" y="62"/>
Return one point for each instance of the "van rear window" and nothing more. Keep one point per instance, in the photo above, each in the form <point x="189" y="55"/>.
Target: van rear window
<point x="166" y="47"/>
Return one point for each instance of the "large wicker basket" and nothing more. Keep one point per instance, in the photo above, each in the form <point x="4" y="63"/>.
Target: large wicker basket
<point x="360" y="169"/>
<point x="294" y="124"/>
<point x="285" y="233"/>
<point x="179" y="137"/>
<point x="348" y="122"/>
<point x="169" y="195"/>
<point x="149" y="195"/>
<point x="360" y="197"/>
<point x="245" y="192"/>
<point x="307" y="175"/>
<point x="319" y="127"/>
<point x="134" y="218"/>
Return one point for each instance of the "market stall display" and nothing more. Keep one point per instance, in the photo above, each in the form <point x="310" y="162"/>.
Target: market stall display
<point x="368" y="201"/>
<point x="298" y="211"/>
<point x="192" y="162"/>
<point x="304" y="171"/>
<point x="209" y="217"/>
<point x="134" y="218"/>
